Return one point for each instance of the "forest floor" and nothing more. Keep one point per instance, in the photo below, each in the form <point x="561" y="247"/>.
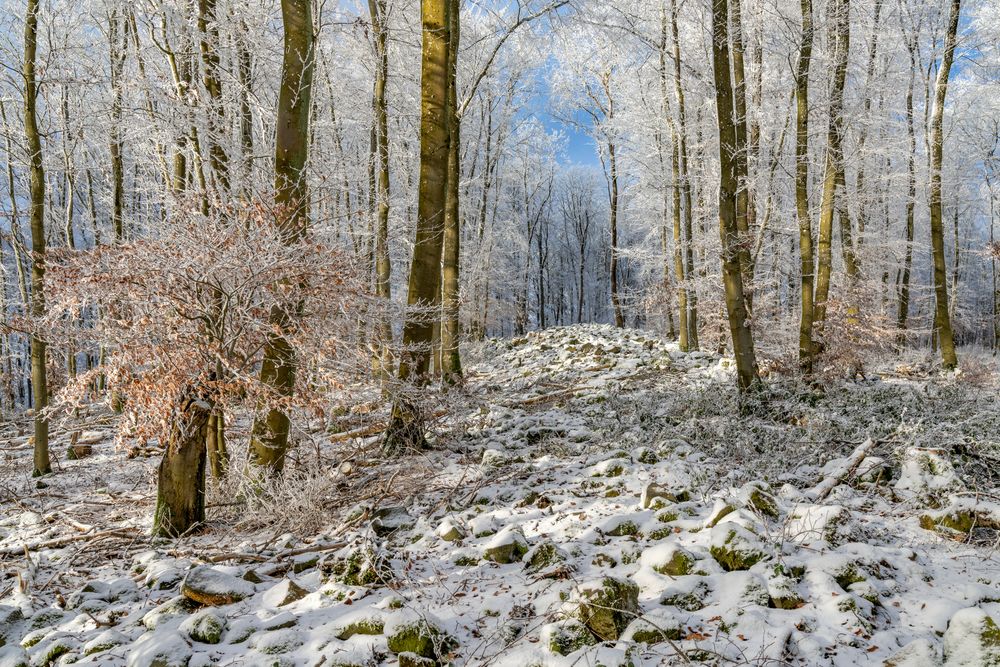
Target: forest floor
<point x="594" y="497"/>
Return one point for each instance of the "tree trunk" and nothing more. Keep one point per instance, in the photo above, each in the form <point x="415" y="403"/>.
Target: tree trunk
<point x="451" y="362"/>
<point x="36" y="217"/>
<point x="383" y="267"/>
<point x="180" y="491"/>
<point x="685" y="184"/>
<point x="834" y="158"/>
<point x="732" y="277"/>
<point x="424" y="289"/>
<point x="911" y="199"/>
<point x="802" y="187"/>
<point x="117" y="54"/>
<point x="942" y="318"/>
<point x="209" y="29"/>
<point x="269" y="437"/>
<point x="616" y="303"/>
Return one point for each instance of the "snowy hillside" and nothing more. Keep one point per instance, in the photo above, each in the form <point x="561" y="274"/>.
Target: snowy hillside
<point x="595" y="497"/>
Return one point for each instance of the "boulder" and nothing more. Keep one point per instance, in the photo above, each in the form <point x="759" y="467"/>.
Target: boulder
<point x="668" y="558"/>
<point x="284" y="592"/>
<point x="207" y="626"/>
<point x="607" y="606"/>
<point x="544" y="556"/>
<point x="971" y="640"/>
<point x="407" y="631"/>
<point x="389" y="520"/>
<point x="210" y="586"/>
<point x="507" y="546"/>
<point x="735" y="547"/>
<point x="566" y="636"/>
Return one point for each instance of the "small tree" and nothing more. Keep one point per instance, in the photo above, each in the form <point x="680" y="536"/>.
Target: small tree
<point x="185" y="320"/>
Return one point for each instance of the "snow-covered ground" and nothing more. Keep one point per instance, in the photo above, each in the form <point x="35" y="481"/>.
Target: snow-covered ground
<point x="595" y="497"/>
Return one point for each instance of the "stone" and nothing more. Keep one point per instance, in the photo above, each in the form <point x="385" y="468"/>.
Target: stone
<point x="689" y="593"/>
<point x="284" y="592"/>
<point x="159" y="650"/>
<point x="652" y="491"/>
<point x="172" y="608"/>
<point x="607" y="606"/>
<point x="543" y="556"/>
<point x="13" y="656"/>
<point x="783" y="593"/>
<point x="918" y="653"/>
<point x="407" y="631"/>
<point x="735" y="547"/>
<point x="971" y="640"/>
<point x="209" y="586"/>
<point x="104" y="641"/>
<point x="207" y="626"/>
<point x="653" y="629"/>
<point x="507" y="546"/>
<point x="389" y="520"/>
<point x="812" y="523"/>
<point x="450" y="530"/>
<point x="358" y="566"/>
<point x="362" y="622"/>
<point x="668" y="558"/>
<point x="567" y="636"/>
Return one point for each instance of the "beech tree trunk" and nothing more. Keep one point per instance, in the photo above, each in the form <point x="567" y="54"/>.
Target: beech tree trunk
<point x="36" y="218"/>
<point x="424" y="290"/>
<point x="383" y="267"/>
<point x="269" y="437"/>
<point x="451" y="362"/>
<point x="732" y="275"/>
<point x="840" y="31"/>
<point x="942" y="318"/>
<point x="802" y="188"/>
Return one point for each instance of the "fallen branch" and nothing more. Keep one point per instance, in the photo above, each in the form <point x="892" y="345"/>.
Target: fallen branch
<point x="846" y="469"/>
<point x="69" y="539"/>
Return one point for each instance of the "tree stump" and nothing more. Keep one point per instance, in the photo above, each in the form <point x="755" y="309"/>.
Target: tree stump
<point x="180" y="493"/>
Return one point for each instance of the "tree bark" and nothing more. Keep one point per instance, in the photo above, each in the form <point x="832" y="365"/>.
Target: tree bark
<point x="802" y="187"/>
<point x="942" y="324"/>
<point x="269" y="437"/>
<point x="911" y="198"/>
<point x="36" y="217"/>
<point x="834" y="158"/>
<point x="685" y="184"/>
<point x="451" y="361"/>
<point x="424" y="289"/>
<point x="383" y="268"/>
<point x="180" y="491"/>
<point x="732" y="276"/>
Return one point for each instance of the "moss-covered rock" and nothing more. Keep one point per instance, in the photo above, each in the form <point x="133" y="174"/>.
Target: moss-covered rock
<point x="206" y="627"/>
<point x="451" y="530"/>
<point x="972" y="640"/>
<point x="607" y="606"/>
<point x="669" y="559"/>
<point x="360" y="566"/>
<point x="653" y="629"/>
<point x="720" y="510"/>
<point x="625" y="528"/>
<point x="543" y="556"/>
<point x="783" y="592"/>
<point x="763" y="502"/>
<point x="735" y="547"/>
<point x="689" y="593"/>
<point x="507" y="546"/>
<point x="653" y="492"/>
<point x="567" y="636"/>
<point x="172" y="608"/>
<point x="406" y="631"/>
<point x="104" y="641"/>
<point x="408" y="659"/>
<point x="50" y="649"/>
<point x="284" y="593"/>
<point x="365" y="625"/>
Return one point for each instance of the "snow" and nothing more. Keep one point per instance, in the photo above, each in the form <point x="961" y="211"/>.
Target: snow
<point x="559" y="437"/>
